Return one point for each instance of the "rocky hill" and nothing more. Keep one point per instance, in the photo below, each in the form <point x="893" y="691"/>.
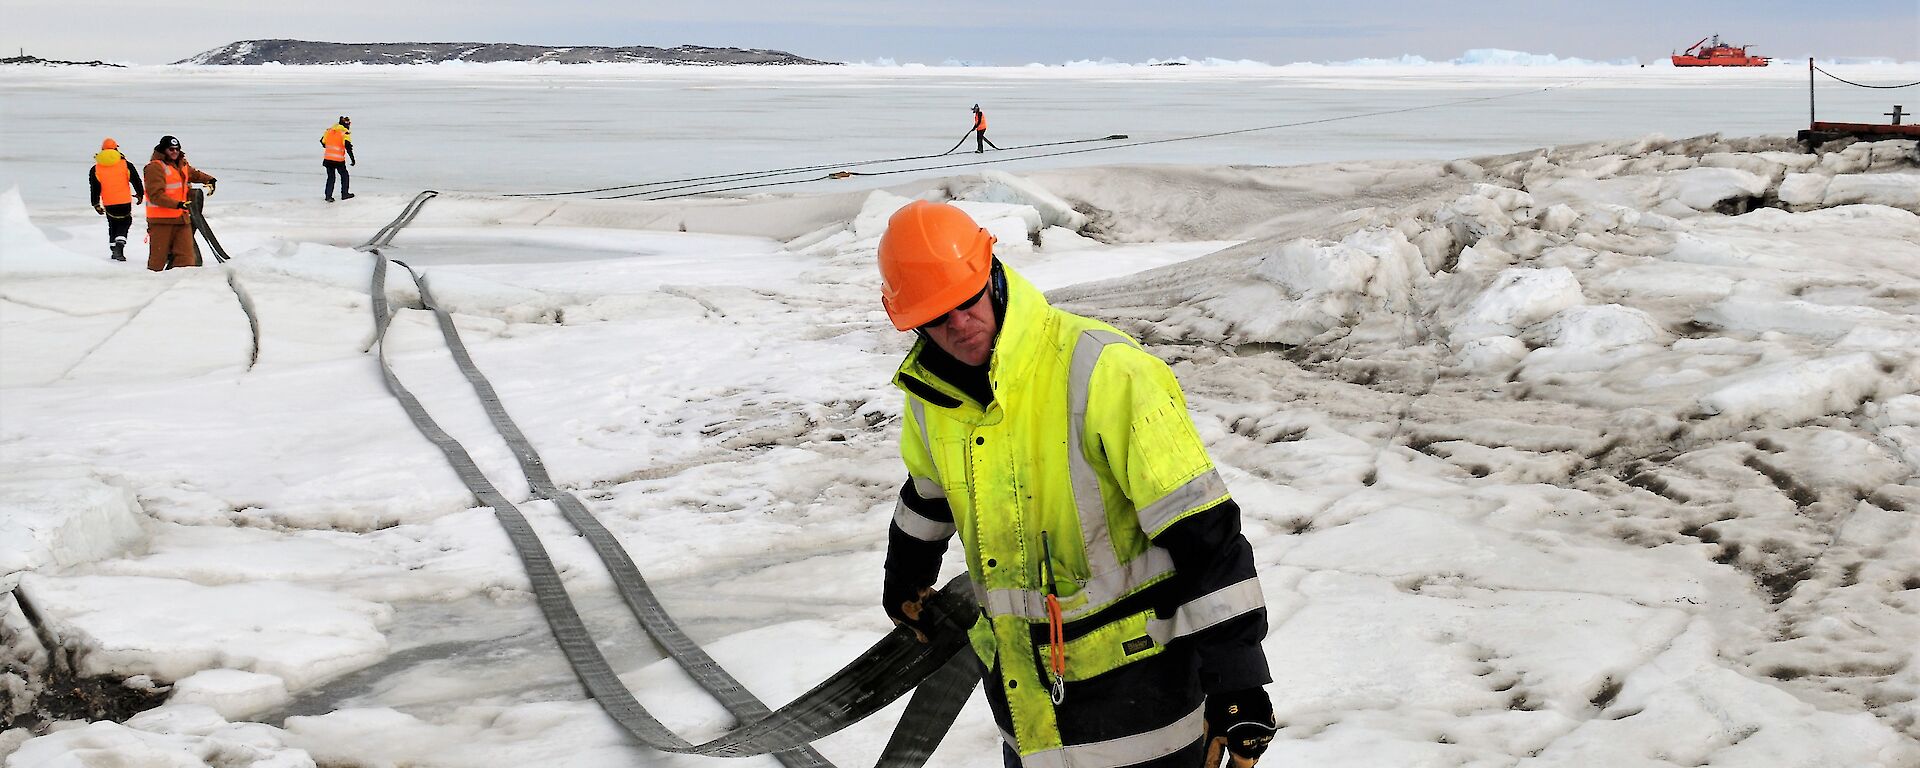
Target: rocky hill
<point x="25" y="59"/>
<point x="309" y="52"/>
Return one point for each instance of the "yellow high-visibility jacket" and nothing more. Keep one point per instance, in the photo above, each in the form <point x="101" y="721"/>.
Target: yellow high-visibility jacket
<point x="1085" y="454"/>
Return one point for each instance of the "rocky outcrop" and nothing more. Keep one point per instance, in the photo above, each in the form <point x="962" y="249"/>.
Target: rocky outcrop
<point x="25" y="59"/>
<point x="309" y="52"/>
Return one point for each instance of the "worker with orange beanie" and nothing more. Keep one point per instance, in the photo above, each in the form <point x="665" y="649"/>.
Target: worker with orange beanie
<point x="114" y="187"/>
<point x="169" y="230"/>
<point x="1121" y="616"/>
<point x="337" y="155"/>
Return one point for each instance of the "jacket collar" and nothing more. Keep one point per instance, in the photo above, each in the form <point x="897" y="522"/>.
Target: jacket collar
<point x="1016" y="349"/>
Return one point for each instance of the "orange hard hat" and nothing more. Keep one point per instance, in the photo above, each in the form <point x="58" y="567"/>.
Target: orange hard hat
<point x="932" y="257"/>
<point x="109" y="144"/>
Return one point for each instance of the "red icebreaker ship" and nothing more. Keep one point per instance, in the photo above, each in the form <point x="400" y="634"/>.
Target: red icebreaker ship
<point x="1717" y="54"/>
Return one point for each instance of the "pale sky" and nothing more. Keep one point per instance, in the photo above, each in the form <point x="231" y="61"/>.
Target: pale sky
<point x="1006" y="32"/>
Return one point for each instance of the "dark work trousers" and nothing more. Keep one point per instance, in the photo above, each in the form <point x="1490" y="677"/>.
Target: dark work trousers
<point x="119" y="220"/>
<point x="1193" y="756"/>
<point x="980" y="142"/>
<point x="1124" y="696"/>
<point x="340" y="167"/>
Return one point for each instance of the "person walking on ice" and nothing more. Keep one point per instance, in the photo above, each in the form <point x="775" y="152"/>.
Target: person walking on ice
<point x="114" y="188"/>
<point x="1121" y="617"/>
<point x="338" y="141"/>
<point x="980" y="142"/>
<point x="169" y="231"/>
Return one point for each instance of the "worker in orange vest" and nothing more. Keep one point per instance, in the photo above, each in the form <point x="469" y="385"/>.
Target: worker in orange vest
<point x="169" y="231"/>
<point x="114" y="188"/>
<point x="338" y="142"/>
<point x="980" y="142"/>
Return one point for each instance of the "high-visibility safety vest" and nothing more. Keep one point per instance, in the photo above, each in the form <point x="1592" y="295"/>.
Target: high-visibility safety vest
<point x="336" y="139"/>
<point x="979" y="121"/>
<point x="175" y="190"/>
<point x="1085" y="453"/>
<point x="110" y="169"/>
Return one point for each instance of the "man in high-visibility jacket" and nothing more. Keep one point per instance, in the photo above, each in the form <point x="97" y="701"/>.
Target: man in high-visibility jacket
<point x="337" y="155"/>
<point x="114" y="187"/>
<point x="1121" y="617"/>
<point x="980" y="142"/>
<point x="169" y="230"/>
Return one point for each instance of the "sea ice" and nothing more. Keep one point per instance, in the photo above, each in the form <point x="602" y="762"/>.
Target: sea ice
<point x="1547" y="458"/>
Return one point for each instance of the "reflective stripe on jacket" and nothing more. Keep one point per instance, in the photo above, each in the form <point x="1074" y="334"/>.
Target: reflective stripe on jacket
<point x="1085" y="453"/>
<point x="166" y="186"/>
<point x="335" y="140"/>
<point x="173" y="188"/>
<point x="110" y="169"/>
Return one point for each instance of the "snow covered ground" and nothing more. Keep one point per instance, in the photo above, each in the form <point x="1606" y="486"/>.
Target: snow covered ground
<point x="1604" y="455"/>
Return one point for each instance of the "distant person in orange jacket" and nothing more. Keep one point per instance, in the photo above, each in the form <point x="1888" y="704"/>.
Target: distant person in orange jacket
<point x="114" y="188"/>
<point x="169" y="231"/>
<point x="338" y="141"/>
<point x="980" y="142"/>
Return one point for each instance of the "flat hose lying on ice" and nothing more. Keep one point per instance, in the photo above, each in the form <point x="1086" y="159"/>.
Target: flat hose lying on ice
<point x="384" y="237"/>
<point x="943" y="669"/>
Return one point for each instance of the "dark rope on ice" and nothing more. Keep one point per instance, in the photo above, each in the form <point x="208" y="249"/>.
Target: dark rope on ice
<point x="842" y="174"/>
<point x="1130" y="144"/>
<point x="1816" y="68"/>
<point x="749" y="175"/>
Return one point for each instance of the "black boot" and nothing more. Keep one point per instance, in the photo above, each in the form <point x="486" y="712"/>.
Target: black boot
<point x="119" y="249"/>
<point x="346" y="195"/>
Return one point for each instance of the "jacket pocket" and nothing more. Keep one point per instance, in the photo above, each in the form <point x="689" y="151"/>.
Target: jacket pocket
<point x="1110" y="647"/>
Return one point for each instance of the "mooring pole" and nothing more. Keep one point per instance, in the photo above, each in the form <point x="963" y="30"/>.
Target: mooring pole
<point x="1811" y="119"/>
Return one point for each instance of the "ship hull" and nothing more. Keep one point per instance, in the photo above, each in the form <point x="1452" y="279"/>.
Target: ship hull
<point x="1741" y="61"/>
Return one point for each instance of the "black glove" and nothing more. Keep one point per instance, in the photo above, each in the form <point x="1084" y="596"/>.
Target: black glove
<point x="99" y="210"/>
<point x="1240" y="724"/>
<point x="139" y="199"/>
<point x="210" y="183"/>
<point x="353" y="161"/>
<point x="906" y="606"/>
